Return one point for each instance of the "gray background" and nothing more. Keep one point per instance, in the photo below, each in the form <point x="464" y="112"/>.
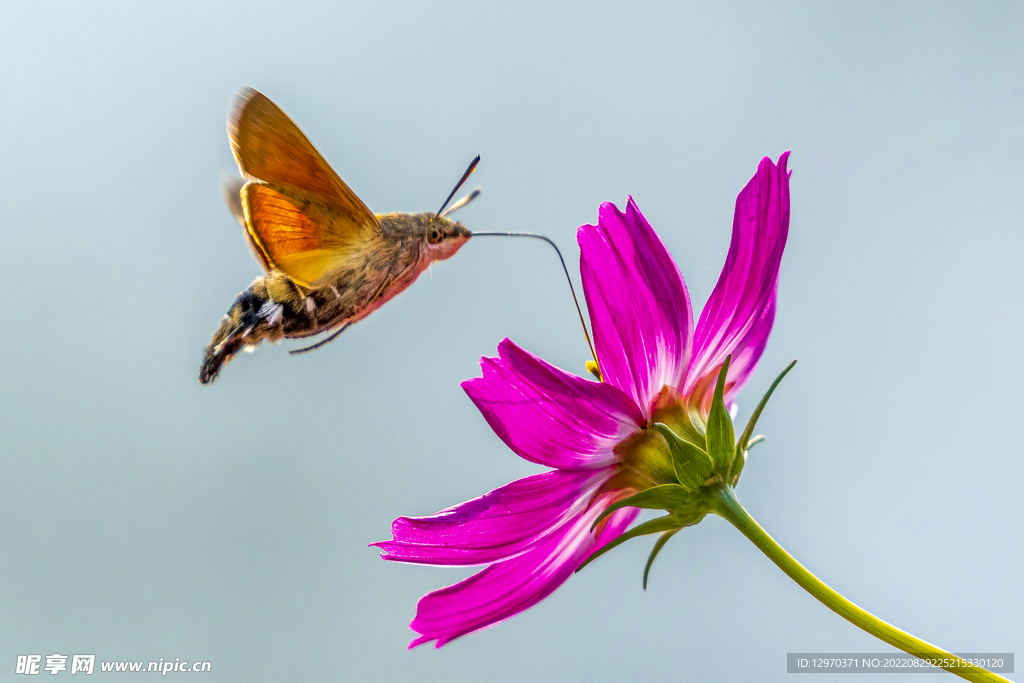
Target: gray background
<point x="145" y="516"/>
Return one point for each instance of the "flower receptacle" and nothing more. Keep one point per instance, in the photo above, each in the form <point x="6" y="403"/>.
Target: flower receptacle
<point x="682" y="474"/>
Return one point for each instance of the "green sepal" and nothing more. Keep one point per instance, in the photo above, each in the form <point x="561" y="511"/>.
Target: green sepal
<point x="670" y="497"/>
<point x="721" y="437"/>
<point x="736" y="466"/>
<point x="685" y="508"/>
<point x="666" y="523"/>
<point x="741" y="458"/>
<point x="746" y="440"/>
<point x="658" y="545"/>
<point x="756" y="440"/>
<point x="692" y="464"/>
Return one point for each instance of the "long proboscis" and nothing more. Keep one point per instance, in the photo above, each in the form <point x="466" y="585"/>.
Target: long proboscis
<point x="565" y="269"/>
<point x="568" y="279"/>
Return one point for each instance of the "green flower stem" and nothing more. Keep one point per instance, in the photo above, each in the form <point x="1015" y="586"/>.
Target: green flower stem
<point x="726" y="505"/>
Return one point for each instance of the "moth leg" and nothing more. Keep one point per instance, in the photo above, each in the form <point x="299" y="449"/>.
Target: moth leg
<point x="334" y="335"/>
<point x="313" y="347"/>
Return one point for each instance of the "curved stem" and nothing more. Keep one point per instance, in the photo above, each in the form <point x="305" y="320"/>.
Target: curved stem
<point x="726" y="505"/>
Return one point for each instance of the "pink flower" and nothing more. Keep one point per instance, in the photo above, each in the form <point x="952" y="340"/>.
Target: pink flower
<point x="656" y="368"/>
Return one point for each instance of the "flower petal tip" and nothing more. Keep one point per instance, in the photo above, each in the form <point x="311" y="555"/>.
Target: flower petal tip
<point x="775" y="168"/>
<point x="632" y="209"/>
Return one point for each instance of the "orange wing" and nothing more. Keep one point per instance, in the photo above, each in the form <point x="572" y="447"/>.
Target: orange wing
<point x="297" y="236"/>
<point x="303" y="219"/>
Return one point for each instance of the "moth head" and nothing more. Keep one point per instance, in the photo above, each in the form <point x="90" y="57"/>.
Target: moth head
<point x="444" y="237"/>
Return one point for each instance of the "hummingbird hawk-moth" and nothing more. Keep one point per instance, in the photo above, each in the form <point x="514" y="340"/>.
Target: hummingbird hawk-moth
<point x="329" y="260"/>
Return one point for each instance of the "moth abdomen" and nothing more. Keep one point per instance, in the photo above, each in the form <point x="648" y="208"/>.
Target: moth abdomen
<point x="238" y="329"/>
<point x="270" y="310"/>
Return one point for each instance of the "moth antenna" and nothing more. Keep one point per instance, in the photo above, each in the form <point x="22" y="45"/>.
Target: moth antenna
<point x="568" y="279"/>
<point x="462" y="202"/>
<point x="314" y="347"/>
<point x="472" y="167"/>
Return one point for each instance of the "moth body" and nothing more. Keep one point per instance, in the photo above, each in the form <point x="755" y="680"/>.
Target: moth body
<point x="275" y="307"/>
<point x="329" y="260"/>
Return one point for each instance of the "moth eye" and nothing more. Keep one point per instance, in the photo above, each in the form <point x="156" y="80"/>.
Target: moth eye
<point x="435" y="235"/>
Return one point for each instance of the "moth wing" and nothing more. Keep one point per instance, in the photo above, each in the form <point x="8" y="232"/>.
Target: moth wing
<point x="232" y="188"/>
<point x="268" y="146"/>
<point x="303" y="238"/>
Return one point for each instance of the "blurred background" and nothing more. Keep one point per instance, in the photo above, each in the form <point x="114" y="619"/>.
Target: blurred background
<point x="145" y="516"/>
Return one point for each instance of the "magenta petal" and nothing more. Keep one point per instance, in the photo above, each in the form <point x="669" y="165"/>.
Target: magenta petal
<point x="549" y="416"/>
<point x="509" y="587"/>
<point x="497" y="525"/>
<point x="745" y="357"/>
<point x="639" y="306"/>
<point x="738" y="317"/>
